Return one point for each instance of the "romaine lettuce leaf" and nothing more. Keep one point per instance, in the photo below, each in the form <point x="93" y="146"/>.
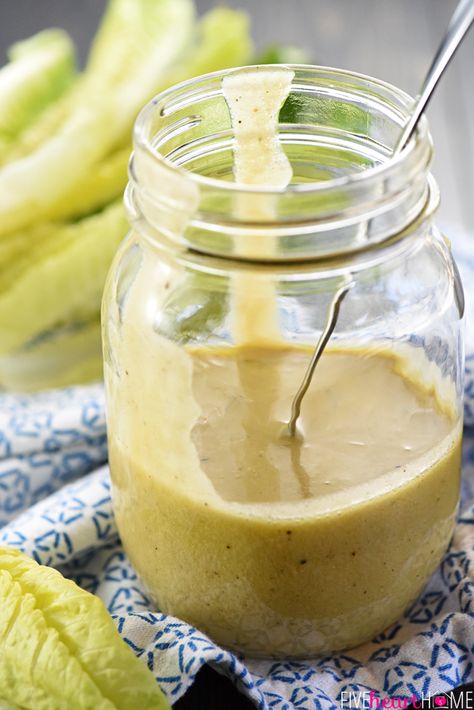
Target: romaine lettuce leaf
<point x="105" y="183"/>
<point x="65" y="354"/>
<point x="281" y="54"/>
<point x="59" y="648"/>
<point x="62" y="271"/>
<point x="39" y="71"/>
<point x="138" y="41"/>
<point x="222" y="40"/>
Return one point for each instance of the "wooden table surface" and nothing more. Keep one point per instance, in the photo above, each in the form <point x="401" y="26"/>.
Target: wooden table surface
<point x="391" y="39"/>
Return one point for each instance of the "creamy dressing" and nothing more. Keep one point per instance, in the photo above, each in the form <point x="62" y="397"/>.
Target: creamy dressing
<point x="360" y="420"/>
<point x="255" y="99"/>
<point x="269" y="548"/>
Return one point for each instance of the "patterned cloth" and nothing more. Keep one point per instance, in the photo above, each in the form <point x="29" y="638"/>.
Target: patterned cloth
<point x="55" y="505"/>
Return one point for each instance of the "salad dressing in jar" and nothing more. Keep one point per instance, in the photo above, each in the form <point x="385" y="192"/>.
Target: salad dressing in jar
<point x="242" y="233"/>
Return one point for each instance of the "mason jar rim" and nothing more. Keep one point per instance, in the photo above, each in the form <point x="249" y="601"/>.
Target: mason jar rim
<point x="354" y="116"/>
<point x="142" y="139"/>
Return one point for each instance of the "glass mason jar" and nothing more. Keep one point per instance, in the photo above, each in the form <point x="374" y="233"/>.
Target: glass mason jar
<point x="277" y="545"/>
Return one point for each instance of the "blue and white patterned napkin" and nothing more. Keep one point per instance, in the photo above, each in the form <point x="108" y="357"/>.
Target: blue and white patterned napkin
<point x="55" y="505"/>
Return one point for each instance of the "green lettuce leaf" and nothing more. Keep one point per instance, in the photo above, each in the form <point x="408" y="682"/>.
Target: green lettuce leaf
<point x="68" y="353"/>
<point x="62" y="271"/>
<point x="106" y="183"/>
<point x="40" y="70"/>
<point x="52" y="270"/>
<point x="222" y="40"/>
<point x="281" y="54"/>
<point x="195" y="309"/>
<point x="59" y="648"/>
<point x="138" y="41"/>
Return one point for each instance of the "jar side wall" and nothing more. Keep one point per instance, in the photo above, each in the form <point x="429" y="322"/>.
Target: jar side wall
<point x="409" y="298"/>
<point x="157" y="309"/>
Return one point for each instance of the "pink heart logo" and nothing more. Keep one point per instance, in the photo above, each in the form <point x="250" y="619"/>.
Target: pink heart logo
<point x="440" y="701"/>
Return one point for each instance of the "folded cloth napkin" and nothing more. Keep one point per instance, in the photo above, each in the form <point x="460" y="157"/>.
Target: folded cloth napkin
<point x="55" y="504"/>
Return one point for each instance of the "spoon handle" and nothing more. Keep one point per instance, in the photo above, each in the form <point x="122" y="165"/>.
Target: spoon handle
<point x="333" y="315"/>
<point x="459" y="24"/>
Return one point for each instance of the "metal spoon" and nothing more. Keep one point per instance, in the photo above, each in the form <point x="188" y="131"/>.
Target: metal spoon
<point x="322" y="342"/>
<point x="460" y="22"/>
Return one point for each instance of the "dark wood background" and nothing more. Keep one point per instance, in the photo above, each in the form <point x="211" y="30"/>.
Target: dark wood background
<point x="391" y="39"/>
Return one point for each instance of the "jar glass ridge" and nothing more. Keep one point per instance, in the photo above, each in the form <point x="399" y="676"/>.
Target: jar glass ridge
<point x="264" y="571"/>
